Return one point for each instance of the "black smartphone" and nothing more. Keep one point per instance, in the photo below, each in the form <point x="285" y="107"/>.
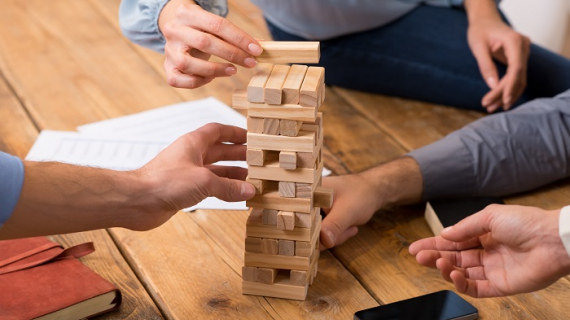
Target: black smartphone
<point x="441" y="305"/>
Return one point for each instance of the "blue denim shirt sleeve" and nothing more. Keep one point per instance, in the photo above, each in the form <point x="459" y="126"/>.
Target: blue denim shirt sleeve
<point x="501" y="154"/>
<point x="139" y="20"/>
<point x="11" y="182"/>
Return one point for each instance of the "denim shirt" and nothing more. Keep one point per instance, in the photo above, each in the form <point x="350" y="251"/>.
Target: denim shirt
<point x="11" y="182"/>
<point x="314" y="19"/>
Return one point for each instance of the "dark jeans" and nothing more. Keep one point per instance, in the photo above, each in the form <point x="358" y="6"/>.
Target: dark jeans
<point x="425" y="56"/>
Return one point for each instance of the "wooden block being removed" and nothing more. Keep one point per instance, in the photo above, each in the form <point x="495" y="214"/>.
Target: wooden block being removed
<point x="311" y="88"/>
<point x="266" y="275"/>
<point x="249" y="273"/>
<point x="257" y="83"/>
<point x="271" y="199"/>
<point x="270" y="126"/>
<point x="290" y="128"/>
<point x="302" y="220"/>
<point x="303" y="249"/>
<point x="253" y="245"/>
<point x="286" y="248"/>
<point x="287" y="189"/>
<point x="270" y="246"/>
<point x="298" y="277"/>
<point x="285" y="220"/>
<point x="259" y="185"/>
<point x="254" y="125"/>
<point x="273" y="90"/>
<point x="255" y="157"/>
<point x="269" y="217"/>
<point x="323" y="197"/>
<point x="289" y="52"/>
<point x="288" y="160"/>
<point x="292" y="85"/>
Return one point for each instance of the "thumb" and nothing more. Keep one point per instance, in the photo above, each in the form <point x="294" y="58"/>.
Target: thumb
<point x="230" y="190"/>
<point x="336" y="227"/>
<point x="470" y="227"/>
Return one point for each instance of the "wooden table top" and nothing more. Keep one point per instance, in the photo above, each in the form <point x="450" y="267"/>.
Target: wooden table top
<point x="64" y="63"/>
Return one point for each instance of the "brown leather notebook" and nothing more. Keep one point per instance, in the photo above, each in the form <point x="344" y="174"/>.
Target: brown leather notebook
<point x="41" y="280"/>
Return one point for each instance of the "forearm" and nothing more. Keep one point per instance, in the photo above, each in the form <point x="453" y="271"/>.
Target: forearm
<point x="397" y="182"/>
<point x="60" y="198"/>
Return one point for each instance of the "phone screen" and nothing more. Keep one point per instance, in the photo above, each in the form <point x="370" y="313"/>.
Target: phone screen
<point x="441" y="305"/>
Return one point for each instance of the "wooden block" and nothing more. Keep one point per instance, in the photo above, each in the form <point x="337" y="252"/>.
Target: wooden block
<point x="239" y="99"/>
<point x="323" y="89"/>
<point x="303" y="190"/>
<point x="289" y="52"/>
<point x="306" y="159"/>
<point x="266" y="275"/>
<point x="315" y="126"/>
<point x="292" y="85"/>
<point x="269" y="246"/>
<point x="257" y="83"/>
<point x="270" y="126"/>
<point x="269" y="217"/>
<point x="298" y="277"/>
<point x="273" y="90"/>
<point x="254" y="125"/>
<point x="304" y="142"/>
<point x="281" y="288"/>
<point x="290" y="128"/>
<point x="253" y="245"/>
<point x="287" y="189"/>
<point x="259" y="185"/>
<point x="285" y="220"/>
<point x="284" y="111"/>
<point x="303" y="249"/>
<point x="255" y="157"/>
<point x="323" y="197"/>
<point x="272" y="200"/>
<point x="286" y="248"/>
<point x="302" y="220"/>
<point x="311" y="87"/>
<point x="288" y="160"/>
<point x="278" y="261"/>
<point x="255" y="228"/>
<point x="272" y="171"/>
<point x="248" y="273"/>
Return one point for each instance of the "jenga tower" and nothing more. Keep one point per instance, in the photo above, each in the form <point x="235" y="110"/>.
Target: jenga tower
<point x="284" y="157"/>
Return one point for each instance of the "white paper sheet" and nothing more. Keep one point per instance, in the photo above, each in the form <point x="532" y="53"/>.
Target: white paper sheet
<point x="129" y="142"/>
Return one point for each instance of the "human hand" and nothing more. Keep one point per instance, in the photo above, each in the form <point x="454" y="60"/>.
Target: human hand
<point x="192" y="36"/>
<point x="489" y="37"/>
<point x="499" y="251"/>
<point x="354" y="204"/>
<point x="182" y="175"/>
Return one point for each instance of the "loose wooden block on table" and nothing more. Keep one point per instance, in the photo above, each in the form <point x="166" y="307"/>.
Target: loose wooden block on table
<point x="249" y="273"/>
<point x="266" y="275"/>
<point x="269" y="246"/>
<point x="292" y="85"/>
<point x="287" y="189"/>
<point x="289" y="52"/>
<point x="304" y="142"/>
<point x="257" y="83"/>
<point x="253" y="245"/>
<point x="274" y="87"/>
<point x="290" y="128"/>
<point x="259" y="185"/>
<point x="255" y="157"/>
<point x="285" y="220"/>
<point x="254" y="125"/>
<point x="311" y="88"/>
<point x="288" y="160"/>
<point x="270" y="126"/>
<point x="286" y="248"/>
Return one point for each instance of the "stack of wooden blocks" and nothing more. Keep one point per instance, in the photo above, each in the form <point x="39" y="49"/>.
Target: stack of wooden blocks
<point x="284" y="157"/>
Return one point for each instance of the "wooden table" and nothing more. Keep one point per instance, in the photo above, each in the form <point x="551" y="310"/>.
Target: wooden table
<point x="64" y="63"/>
